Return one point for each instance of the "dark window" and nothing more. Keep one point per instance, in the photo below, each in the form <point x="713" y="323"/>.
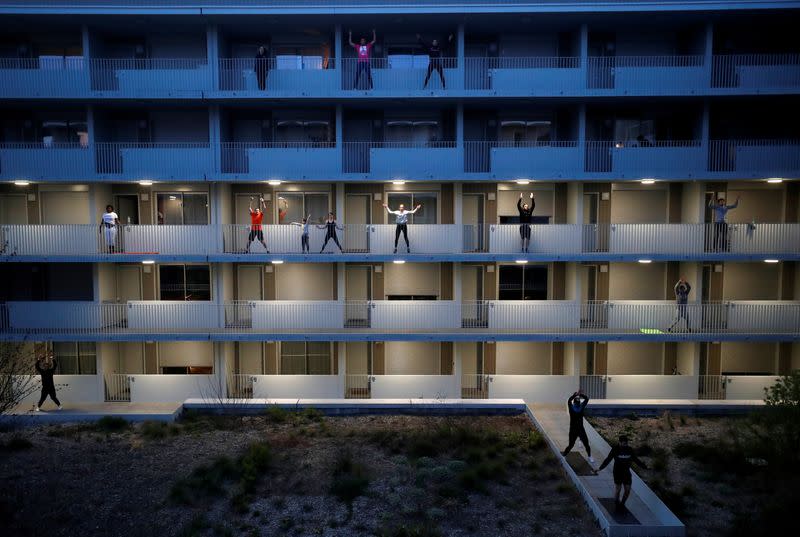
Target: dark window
<point x="39" y="281"/>
<point x="523" y="282"/>
<point x="75" y="358"/>
<point x="306" y="358"/>
<point x="411" y="297"/>
<point x="184" y="282"/>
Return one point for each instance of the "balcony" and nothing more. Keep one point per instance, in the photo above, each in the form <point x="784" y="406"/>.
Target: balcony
<point x="503" y="160"/>
<point x="401" y="160"/>
<point x="541" y="76"/>
<point x="424" y="320"/>
<point x="53" y="161"/>
<point x="429" y="242"/>
<point x="299" y="160"/>
<point x="190" y="161"/>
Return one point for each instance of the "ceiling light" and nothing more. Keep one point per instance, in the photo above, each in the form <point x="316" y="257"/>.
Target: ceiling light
<point x="521" y="261"/>
<point x="146" y="183"/>
<point x="148" y="262"/>
<point x="645" y="261"/>
<point x="775" y="180"/>
<point x="274" y="183"/>
<point x="22" y="183"/>
<point x="522" y="182"/>
<point x="770" y="261"/>
<point x="398" y="182"/>
<point x="399" y="261"/>
<point x="277" y="261"/>
<point x="648" y="181"/>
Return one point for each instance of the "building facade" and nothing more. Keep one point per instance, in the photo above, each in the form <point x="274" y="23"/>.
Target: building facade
<point x="624" y="123"/>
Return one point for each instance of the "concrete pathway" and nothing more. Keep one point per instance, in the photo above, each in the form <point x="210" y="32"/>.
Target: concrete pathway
<point x="94" y="411"/>
<point x="654" y="518"/>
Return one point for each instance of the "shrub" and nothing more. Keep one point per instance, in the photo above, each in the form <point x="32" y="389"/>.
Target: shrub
<point x="111" y="424"/>
<point x="17" y="443"/>
<point x="350" y="479"/>
<point x="157" y="430"/>
<point x="276" y="414"/>
<point x="312" y="414"/>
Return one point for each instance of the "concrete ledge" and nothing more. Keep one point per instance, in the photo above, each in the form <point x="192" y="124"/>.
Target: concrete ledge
<point x="650" y="407"/>
<point x="360" y="406"/>
<point x="133" y="412"/>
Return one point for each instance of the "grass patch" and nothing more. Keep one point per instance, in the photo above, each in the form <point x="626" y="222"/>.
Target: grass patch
<point x="157" y="430"/>
<point x="350" y="479"/>
<point x="111" y="424"/>
<point x="16" y="443"/>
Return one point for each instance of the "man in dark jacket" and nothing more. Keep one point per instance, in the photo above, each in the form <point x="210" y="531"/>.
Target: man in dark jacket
<point x="622" y="455"/>
<point x="576" y="404"/>
<point x="46" y="367"/>
<point x="682" y="290"/>
<point x="435" y="61"/>
<point x="525" y="217"/>
<point x="262" y="67"/>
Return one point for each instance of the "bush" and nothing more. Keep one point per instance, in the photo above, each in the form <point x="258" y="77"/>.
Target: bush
<point x="157" y="430"/>
<point x="350" y="479"/>
<point x="276" y="414"/>
<point x="17" y="443"/>
<point x="111" y="424"/>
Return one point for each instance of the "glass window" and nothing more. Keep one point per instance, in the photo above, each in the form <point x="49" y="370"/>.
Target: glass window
<point x="317" y="131"/>
<point x="634" y="130"/>
<point x="522" y="132"/>
<point x="426" y="213"/>
<point x="293" y="206"/>
<point x="178" y="208"/>
<point x="184" y="282"/>
<point x="523" y="283"/>
<point x="75" y="358"/>
<point x="306" y="358"/>
<point x="417" y="132"/>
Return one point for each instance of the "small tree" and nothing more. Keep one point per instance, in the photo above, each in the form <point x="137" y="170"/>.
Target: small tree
<point x="785" y="392"/>
<point x="17" y="375"/>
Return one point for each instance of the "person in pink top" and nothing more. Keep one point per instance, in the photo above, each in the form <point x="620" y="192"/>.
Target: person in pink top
<point x="363" y="50"/>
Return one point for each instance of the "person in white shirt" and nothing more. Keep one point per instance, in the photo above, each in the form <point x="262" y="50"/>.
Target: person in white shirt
<point x="305" y="224"/>
<point x="108" y="227"/>
<point x="402" y="223"/>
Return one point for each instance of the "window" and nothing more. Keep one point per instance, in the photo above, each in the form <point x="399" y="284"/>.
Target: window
<point x="182" y="208"/>
<point x="426" y="213"/>
<point x="306" y="358"/>
<point x="75" y="358"/>
<point x="411" y="297"/>
<point x="59" y="131"/>
<point x="184" y="282"/>
<point x="634" y="130"/>
<point x="525" y="132"/>
<point x="523" y="282"/>
<point x="293" y="206"/>
<point x="416" y="132"/>
<point x="303" y="131"/>
<point x="289" y="57"/>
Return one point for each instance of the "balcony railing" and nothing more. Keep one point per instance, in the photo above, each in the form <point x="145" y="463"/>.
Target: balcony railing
<point x="318" y="76"/>
<point x="650" y="319"/>
<point x="162" y="160"/>
<point x="301" y="160"/>
<point x="411" y="160"/>
<point x="578" y="241"/>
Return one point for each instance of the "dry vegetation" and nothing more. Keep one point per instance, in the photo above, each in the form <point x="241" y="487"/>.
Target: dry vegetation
<point x="288" y="474"/>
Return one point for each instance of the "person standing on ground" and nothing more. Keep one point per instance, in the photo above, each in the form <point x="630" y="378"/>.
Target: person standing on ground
<point x="364" y="52"/>
<point x="262" y="67"/>
<point x="682" y="290"/>
<point x="435" y="58"/>
<point x="720" y="225"/>
<point x="622" y="455"/>
<point x="46" y="367"/>
<point x="256" y="230"/>
<point x="525" y="218"/>
<point x="305" y="224"/>
<point x="402" y="223"/>
<point x="331" y="226"/>
<point x="576" y="404"/>
<point x="108" y="227"/>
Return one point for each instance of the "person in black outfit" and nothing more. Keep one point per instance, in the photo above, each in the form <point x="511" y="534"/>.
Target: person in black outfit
<point x="331" y="226"/>
<point x="262" y="66"/>
<point x="622" y="455"/>
<point x="525" y="214"/>
<point x="46" y="367"/>
<point x="576" y="404"/>
<point x="435" y="61"/>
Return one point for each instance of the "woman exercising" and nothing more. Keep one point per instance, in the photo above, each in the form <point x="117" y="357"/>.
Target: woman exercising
<point x="402" y="223"/>
<point x="331" y="226"/>
<point x="305" y="224"/>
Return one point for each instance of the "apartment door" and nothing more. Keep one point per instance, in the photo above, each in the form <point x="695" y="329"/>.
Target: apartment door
<point x="13" y="209"/>
<point x="715" y="312"/>
<point x="593" y="382"/>
<point x="358" y="294"/>
<point x="475" y="229"/>
<point x="129" y="283"/>
<point x="127" y="208"/>
<point x="250" y="287"/>
<point x="602" y="51"/>
<point x="591" y="210"/>
<point x="474" y="310"/>
<point x="357" y="211"/>
<point x="235" y="237"/>
<point x="358" y="373"/>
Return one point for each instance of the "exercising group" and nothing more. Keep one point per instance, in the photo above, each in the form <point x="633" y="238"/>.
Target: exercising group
<point x="622" y="455"/>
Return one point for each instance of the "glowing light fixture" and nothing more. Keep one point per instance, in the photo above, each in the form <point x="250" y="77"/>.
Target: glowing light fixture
<point x="645" y="261"/>
<point x="648" y="181"/>
<point x="147" y="262"/>
<point x="22" y="183"/>
<point x="775" y="180"/>
<point x="399" y="261"/>
<point x="770" y="261"/>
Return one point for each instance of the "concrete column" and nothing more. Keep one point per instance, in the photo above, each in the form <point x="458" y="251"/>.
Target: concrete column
<point x="340" y="135"/>
<point x="705" y="128"/>
<point x="340" y="201"/>
<point x="337" y="46"/>
<point x="460" y="135"/>
<point x="458" y="212"/>
<point x="693" y="203"/>
<point x="460" y="56"/>
<point x="582" y="134"/>
<point x="708" y="52"/>
<point x="340" y="281"/>
<point x="584" y="52"/>
<point x="220" y="371"/>
<point x="341" y="371"/>
<point x="212" y="54"/>
<point x="574" y="203"/>
<point x="86" y="45"/>
<point x="457" y="367"/>
<point x="457" y="293"/>
<point x="90" y="132"/>
<point x="214" y="137"/>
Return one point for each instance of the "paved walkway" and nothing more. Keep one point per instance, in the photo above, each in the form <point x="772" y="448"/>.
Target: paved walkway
<point x="95" y="411"/>
<point x="654" y="518"/>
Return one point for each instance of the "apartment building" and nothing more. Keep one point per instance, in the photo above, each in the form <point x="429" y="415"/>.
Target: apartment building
<point x="621" y="125"/>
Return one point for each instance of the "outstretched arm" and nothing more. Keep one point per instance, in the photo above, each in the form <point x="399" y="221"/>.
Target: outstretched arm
<point x="417" y="208"/>
<point x="611" y="455"/>
<point x="350" y="38"/>
<point x="388" y="210"/>
<point x="374" y="37"/>
<point x="263" y="203"/>
<point x="638" y="461"/>
<point x="735" y="204"/>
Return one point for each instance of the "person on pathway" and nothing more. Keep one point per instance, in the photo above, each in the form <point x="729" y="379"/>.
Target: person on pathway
<point x="305" y="224"/>
<point x="435" y="58"/>
<point x="46" y="367"/>
<point x="576" y="404"/>
<point x="525" y="215"/>
<point x="622" y="455"/>
<point x="331" y="226"/>
<point x="256" y="230"/>
<point x="108" y="227"/>
<point x="402" y="223"/>
<point x="682" y="290"/>
<point x="720" y="225"/>
<point x="262" y="67"/>
<point x="364" y="52"/>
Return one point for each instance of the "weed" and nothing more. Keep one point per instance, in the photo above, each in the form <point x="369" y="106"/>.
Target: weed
<point x="312" y="414"/>
<point x="276" y="414"/>
<point x="682" y="419"/>
<point x="111" y="424"/>
<point x="350" y="479"/>
<point x="157" y="430"/>
<point x="196" y="526"/>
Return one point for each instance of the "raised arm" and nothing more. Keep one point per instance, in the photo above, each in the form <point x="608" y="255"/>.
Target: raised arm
<point x="388" y="210"/>
<point x="262" y="203"/>
<point x="417" y="208"/>
<point x="422" y="42"/>
<point x="250" y="204"/>
<point x="533" y="202"/>
<point x="374" y="37"/>
<point x="735" y="204"/>
<point x="519" y="203"/>
<point x="611" y="455"/>
<point x="350" y="38"/>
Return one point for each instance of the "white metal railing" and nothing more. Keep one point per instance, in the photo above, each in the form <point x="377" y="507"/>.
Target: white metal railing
<point x="117" y="387"/>
<point x="594" y="386"/>
<point x="395" y="74"/>
<point x="711" y="387"/>
<point x="647" y="74"/>
<point x="776" y="157"/>
<point x="654" y="318"/>
<point x="240" y="386"/>
<point x="357" y="386"/>
<point x="295" y="74"/>
<point x="143" y="75"/>
<point x="756" y="71"/>
<point x="474" y="386"/>
<point x="497" y="73"/>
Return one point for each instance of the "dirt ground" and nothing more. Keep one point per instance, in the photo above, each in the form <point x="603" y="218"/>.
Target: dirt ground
<point x="288" y="474"/>
<point x="707" y="502"/>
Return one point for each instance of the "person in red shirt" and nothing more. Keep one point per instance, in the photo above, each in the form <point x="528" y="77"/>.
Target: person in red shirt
<point x="363" y="50"/>
<point x="256" y="217"/>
